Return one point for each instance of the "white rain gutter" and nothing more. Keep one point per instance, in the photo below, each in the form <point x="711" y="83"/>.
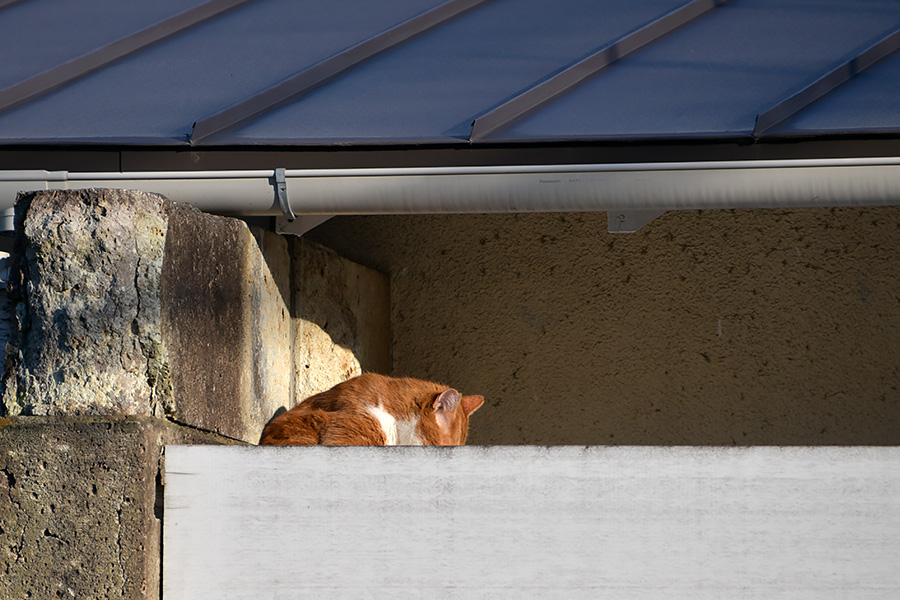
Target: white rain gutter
<point x="632" y="193"/>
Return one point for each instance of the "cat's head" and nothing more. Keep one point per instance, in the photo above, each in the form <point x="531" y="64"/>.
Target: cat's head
<point x="446" y="418"/>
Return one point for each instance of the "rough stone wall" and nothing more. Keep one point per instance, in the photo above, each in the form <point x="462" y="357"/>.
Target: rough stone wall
<point x="88" y="316"/>
<point x="81" y="505"/>
<point x="272" y="345"/>
<point x="140" y="323"/>
<point x="225" y="323"/>
<point x="714" y="327"/>
<point x="128" y="304"/>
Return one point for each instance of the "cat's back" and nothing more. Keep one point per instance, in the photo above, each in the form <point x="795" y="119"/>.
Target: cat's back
<point x="341" y="415"/>
<point x="296" y="427"/>
<point x="374" y="409"/>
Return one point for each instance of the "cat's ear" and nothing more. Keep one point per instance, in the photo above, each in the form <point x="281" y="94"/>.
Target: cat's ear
<point x="472" y="403"/>
<point x="446" y="402"/>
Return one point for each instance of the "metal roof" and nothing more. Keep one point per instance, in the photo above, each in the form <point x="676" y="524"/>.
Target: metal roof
<point x="752" y="78"/>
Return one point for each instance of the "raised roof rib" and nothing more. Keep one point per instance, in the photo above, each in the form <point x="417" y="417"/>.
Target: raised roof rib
<point x="51" y="79"/>
<point x="793" y="104"/>
<point x="5" y="3"/>
<point x="325" y="70"/>
<point x="563" y="81"/>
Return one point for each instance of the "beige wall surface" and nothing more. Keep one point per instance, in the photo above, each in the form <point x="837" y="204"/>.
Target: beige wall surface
<point x="715" y="327"/>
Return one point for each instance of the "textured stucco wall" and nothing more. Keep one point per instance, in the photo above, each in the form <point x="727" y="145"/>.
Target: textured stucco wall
<point x="721" y="327"/>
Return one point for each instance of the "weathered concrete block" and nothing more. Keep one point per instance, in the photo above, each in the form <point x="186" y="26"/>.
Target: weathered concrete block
<point x="225" y="323"/>
<point x="81" y="505"/>
<point x="342" y="312"/>
<point x="272" y="341"/>
<point x="154" y="315"/>
<point x="87" y="304"/>
<point x="127" y="304"/>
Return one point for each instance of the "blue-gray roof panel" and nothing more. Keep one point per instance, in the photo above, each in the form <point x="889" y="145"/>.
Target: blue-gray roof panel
<point x="434" y="86"/>
<point x="708" y="79"/>
<point x="866" y="103"/>
<point x="158" y="93"/>
<point x="40" y="34"/>
<point x="712" y="77"/>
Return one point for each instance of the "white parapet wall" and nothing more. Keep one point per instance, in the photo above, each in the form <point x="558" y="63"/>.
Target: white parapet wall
<point x="531" y="522"/>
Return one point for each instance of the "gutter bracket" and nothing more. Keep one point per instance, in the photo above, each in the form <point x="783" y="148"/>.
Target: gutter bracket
<point x="629" y="221"/>
<point x="299" y="225"/>
<point x="281" y="194"/>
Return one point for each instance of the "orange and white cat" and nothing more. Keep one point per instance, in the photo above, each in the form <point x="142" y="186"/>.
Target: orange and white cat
<point x="379" y="411"/>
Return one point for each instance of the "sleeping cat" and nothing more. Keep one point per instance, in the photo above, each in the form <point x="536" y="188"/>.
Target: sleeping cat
<point x="379" y="411"/>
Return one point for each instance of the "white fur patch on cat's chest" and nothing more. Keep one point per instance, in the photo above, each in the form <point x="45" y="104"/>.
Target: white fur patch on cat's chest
<point x="396" y="432"/>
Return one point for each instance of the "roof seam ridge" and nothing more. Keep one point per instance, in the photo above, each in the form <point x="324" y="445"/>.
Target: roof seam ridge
<point x="561" y="83"/>
<point x="80" y="66"/>
<point x="325" y="70"/>
<point x="821" y="87"/>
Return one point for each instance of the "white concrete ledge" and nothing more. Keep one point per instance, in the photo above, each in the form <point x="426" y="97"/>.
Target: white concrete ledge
<point x="532" y="522"/>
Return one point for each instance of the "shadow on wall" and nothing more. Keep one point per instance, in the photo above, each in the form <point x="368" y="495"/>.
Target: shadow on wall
<point x="704" y="328"/>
